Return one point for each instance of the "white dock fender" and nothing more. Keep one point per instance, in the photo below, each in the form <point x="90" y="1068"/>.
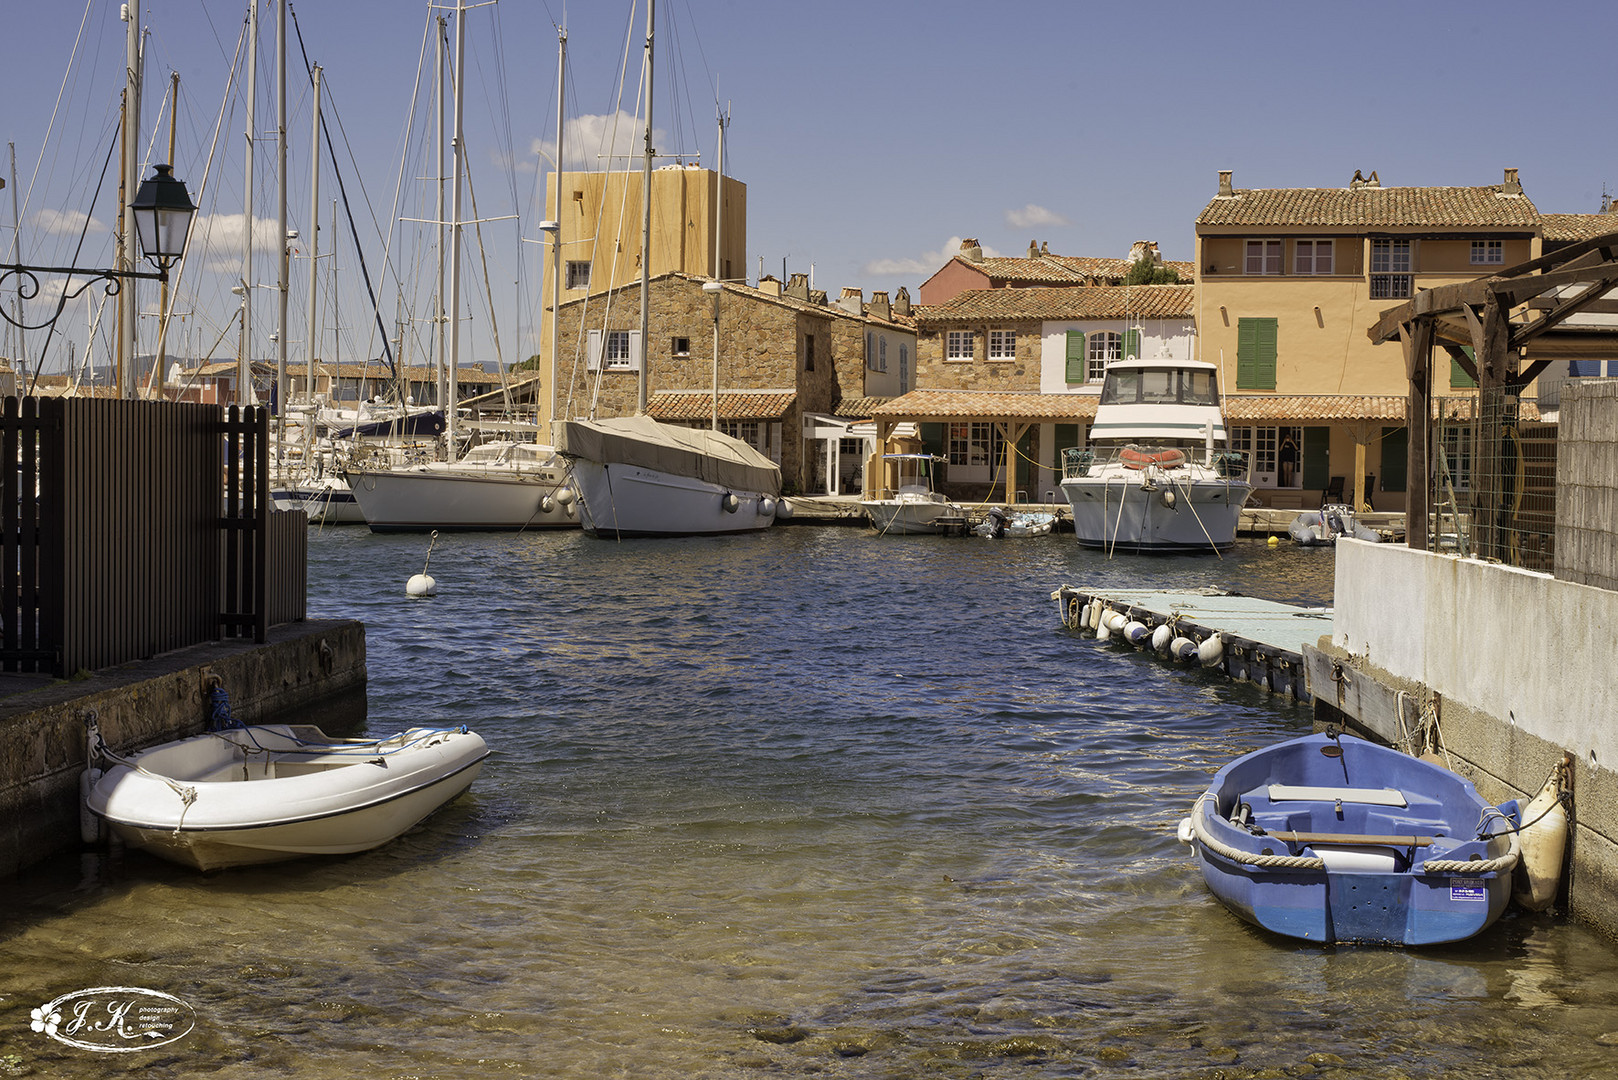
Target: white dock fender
<point x="1211" y="650"/>
<point x="1182" y="648"/>
<point x="1544" y="839"/>
<point x="1161" y="638"/>
<point x="1104" y="626"/>
<point x="1135" y="632"/>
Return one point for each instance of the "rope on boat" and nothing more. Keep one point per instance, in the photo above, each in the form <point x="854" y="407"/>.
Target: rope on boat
<point x="186" y="792"/>
<point x="1218" y="847"/>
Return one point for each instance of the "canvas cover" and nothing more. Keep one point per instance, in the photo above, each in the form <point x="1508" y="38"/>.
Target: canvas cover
<point x="696" y="452"/>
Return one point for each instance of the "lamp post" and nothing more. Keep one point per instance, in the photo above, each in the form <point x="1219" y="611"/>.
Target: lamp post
<point x="163" y="211"/>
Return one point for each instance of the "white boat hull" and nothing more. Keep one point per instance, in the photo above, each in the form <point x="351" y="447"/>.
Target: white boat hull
<point x="421" y="498"/>
<point x="327" y="502"/>
<point x="1120" y="509"/>
<point x="619" y="500"/>
<point x="909" y="515"/>
<point x="209" y="803"/>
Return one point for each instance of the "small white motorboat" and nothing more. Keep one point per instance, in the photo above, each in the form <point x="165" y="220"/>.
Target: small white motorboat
<point x="268" y="792"/>
<point x="912" y="507"/>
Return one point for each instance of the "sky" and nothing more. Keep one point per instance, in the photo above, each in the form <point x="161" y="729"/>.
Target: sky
<point x="872" y="137"/>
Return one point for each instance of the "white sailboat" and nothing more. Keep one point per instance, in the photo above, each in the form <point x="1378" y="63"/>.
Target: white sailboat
<point x="494" y="486"/>
<point x="636" y="476"/>
<point x="1142" y="489"/>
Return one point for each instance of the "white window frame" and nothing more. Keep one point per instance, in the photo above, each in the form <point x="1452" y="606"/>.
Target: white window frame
<point x="1320" y="257"/>
<point x="613" y="350"/>
<point x="1262" y="257"/>
<point x="1392" y="276"/>
<point x="960" y="345"/>
<point x="1002" y="345"/>
<point x="1488" y="253"/>
<point x="971" y="444"/>
<point x="1101" y="347"/>
<point x="577" y="273"/>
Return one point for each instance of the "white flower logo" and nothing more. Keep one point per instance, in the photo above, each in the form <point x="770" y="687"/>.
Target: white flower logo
<point x="43" y="1020"/>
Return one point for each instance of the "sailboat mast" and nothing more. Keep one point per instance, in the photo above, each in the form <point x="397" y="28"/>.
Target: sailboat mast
<point x="244" y="383"/>
<point x="314" y="258"/>
<point x="718" y="262"/>
<point x="282" y="283"/>
<point x="459" y="150"/>
<point x="131" y="180"/>
<point x="646" y="215"/>
<point x="159" y="374"/>
<point x="439" y="174"/>
<point x="556" y="237"/>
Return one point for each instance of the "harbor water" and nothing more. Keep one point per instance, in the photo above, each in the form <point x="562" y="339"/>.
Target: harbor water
<point x="812" y="802"/>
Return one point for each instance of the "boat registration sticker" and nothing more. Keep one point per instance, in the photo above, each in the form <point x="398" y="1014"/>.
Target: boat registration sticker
<point x="1468" y="889"/>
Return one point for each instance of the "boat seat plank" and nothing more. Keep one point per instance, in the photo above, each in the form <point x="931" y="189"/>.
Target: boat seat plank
<point x="1371" y="796"/>
<point x="1352" y="838"/>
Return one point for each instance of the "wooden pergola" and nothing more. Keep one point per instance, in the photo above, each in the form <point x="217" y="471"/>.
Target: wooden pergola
<point x="1504" y="319"/>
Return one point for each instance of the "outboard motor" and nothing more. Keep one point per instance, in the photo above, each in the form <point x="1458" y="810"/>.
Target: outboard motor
<point x="997" y="522"/>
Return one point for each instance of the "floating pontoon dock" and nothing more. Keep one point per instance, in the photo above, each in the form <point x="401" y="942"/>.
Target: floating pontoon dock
<point x="1260" y="641"/>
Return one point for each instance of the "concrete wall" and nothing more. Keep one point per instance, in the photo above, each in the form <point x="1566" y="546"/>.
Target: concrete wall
<point x="1587" y="483"/>
<point x="1521" y="666"/>
<point x="42" y="732"/>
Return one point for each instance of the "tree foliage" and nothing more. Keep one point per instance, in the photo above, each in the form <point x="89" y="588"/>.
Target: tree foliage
<point x="1147" y="272"/>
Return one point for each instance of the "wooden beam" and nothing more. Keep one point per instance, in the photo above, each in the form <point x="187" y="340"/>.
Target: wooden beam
<point x="1418" y="423"/>
<point x="1458" y="354"/>
<point x="1564" y="310"/>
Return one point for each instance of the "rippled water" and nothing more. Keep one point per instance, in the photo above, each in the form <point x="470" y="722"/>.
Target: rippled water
<point x="812" y="802"/>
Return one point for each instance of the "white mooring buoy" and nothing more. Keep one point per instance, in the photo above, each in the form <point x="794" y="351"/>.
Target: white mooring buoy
<point x="423" y="584"/>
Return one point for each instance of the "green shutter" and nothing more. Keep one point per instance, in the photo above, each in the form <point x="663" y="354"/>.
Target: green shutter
<point x="1131" y="344"/>
<point x="1395" y="458"/>
<point x="1316" y="457"/>
<point x="1067" y="435"/>
<point x="1458" y="378"/>
<point x="932" y="439"/>
<point x="1025" y="459"/>
<point x="1075" y="356"/>
<point x="1255" y="354"/>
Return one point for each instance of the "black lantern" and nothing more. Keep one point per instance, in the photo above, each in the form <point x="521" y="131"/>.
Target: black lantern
<point x="163" y="212"/>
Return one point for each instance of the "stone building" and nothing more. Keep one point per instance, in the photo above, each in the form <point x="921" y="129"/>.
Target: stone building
<point x="788" y="360"/>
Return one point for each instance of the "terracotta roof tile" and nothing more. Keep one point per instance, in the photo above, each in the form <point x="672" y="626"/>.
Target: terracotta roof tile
<point x="1574" y="227"/>
<point x="1041" y="305"/>
<point x="1371" y="207"/>
<point x="858" y="408"/>
<point x="976" y="404"/>
<point x="733" y="404"/>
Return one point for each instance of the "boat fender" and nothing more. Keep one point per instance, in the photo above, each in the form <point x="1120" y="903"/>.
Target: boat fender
<point x="1211" y="650"/>
<point x="766" y="506"/>
<point x="1274" y="541"/>
<point x="565" y="496"/>
<point x="1182" y="649"/>
<point x="783" y="510"/>
<point x="1161" y="638"/>
<point x="1544" y="840"/>
<point x="1095" y="614"/>
<point x="1135" y="632"/>
<point x="1184" y="832"/>
<point x="1116" y="621"/>
<point x="1104" y="627"/>
<point x="89" y="823"/>
<point x="547" y="504"/>
<point x="1168" y="499"/>
<point x="728" y="503"/>
<point x="1084" y="617"/>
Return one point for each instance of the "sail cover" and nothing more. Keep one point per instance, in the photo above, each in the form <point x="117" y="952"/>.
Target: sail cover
<point x="695" y="452"/>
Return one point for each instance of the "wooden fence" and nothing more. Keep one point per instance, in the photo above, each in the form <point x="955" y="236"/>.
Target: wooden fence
<point x="132" y="528"/>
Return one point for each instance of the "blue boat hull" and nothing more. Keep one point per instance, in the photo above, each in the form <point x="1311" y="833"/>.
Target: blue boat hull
<point x="1369" y="845"/>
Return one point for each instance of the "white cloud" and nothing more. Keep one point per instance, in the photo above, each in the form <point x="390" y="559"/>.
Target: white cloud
<point x="66" y="223"/>
<point x="1032" y="215"/>
<point x="221" y="236"/>
<point x="615" y="140"/>
<point x="923" y="265"/>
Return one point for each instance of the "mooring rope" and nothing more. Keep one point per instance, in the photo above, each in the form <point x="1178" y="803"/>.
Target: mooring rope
<point x="1218" y="847"/>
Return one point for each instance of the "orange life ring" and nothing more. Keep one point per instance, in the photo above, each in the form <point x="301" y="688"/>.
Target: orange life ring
<point x="1140" y="459"/>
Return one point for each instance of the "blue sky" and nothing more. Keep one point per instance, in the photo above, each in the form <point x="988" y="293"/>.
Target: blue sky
<point x="872" y="137"/>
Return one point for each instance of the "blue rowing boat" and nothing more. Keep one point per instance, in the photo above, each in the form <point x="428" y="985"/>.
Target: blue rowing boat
<point x="1335" y="839"/>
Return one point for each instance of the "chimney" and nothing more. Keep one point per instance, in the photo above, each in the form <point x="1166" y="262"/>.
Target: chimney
<point x="1033" y="250"/>
<point x="1044" y="247"/>
<point x="817" y="297"/>
<point x="1224" y="183"/>
<point x="1513" y="186"/>
<point x="852" y="301"/>
<point x="901" y="301"/>
<point x="880" y="309"/>
<point x="971" y="251"/>
<point x="798" y="286"/>
<point x="770" y="285"/>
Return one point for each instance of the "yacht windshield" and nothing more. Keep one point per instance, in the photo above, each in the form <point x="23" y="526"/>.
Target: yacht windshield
<point x="1159" y="386"/>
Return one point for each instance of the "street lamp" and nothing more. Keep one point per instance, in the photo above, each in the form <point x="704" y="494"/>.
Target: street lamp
<point x="163" y="213"/>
